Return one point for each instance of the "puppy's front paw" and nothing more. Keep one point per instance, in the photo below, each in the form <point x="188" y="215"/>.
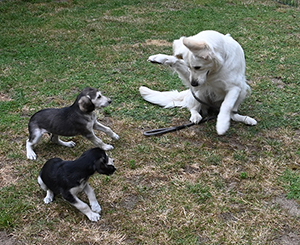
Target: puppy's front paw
<point x="162" y="59"/>
<point x="93" y="216"/>
<point x="96" y="207"/>
<point x="115" y="136"/>
<point x="107" y="147"/>
<point x="70" y="144"/>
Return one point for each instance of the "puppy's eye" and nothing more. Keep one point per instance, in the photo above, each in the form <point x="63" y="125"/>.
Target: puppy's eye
<point x="99" y="96"/>
<point x="197" y="67"/>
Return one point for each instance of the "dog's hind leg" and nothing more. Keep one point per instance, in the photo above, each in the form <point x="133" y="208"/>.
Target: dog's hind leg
<point x="107" y="130"/>
<point x="92" y="198"/>
<point x="50" y="195"/>
<point x="57" y="140"/>
<point x="33" y="139"/>
<point x="81" y="206"/>
<point x="244" y="119"/>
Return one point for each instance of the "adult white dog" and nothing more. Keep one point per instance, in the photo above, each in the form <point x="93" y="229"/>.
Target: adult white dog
<point x="212" y="66"/>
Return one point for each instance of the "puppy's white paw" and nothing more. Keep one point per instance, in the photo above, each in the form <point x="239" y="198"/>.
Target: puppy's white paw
<point x="96" y="207"/>
<point x="69" y="144"/>
<point x="107" y="147"/>
<point x="162" y="59"/>
<point x="93" y="216"/>
<point x="47" y="200"/>
<point x="115" y="136"/>
<point x="31" y="155"/>
<point x="195" y="118"/>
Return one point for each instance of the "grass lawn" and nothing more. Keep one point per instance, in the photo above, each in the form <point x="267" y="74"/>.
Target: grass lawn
<point x="186" y="187"/>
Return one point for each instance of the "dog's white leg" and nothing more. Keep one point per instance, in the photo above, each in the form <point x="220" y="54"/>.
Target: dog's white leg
<point x="57" y="140"/>
<point x="29" y="150"/>
<point x="85" y="209"/>
<point x="98" y="142"/>
<point x="34" y="138"/>
<point x="244" y="119"/>
<point x="92" y="198"/>
<point x="49" y="197"/>
<point x="107" y="130"/>
<point x="223" y="120"/>
<point x="178" y="65"/>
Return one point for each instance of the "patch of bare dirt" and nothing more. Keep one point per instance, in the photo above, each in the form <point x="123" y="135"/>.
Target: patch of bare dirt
<point x="6" y="239"/>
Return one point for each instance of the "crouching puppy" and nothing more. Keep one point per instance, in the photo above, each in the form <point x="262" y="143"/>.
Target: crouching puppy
<point x="68" y="178"/>
<point x="77" y="119"/>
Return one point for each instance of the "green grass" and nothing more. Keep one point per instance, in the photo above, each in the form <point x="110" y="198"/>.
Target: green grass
<point x="186" y="187"/>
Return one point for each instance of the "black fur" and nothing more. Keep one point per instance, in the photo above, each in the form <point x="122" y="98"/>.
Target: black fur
<point x="60" y="176"/>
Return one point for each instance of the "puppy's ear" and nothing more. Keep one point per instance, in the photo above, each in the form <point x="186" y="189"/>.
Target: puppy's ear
<point x="198" y="48"/>
<point x="85" y="104"/>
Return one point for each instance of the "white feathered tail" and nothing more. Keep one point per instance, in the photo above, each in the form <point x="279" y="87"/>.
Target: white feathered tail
<point x="167" y="99"/>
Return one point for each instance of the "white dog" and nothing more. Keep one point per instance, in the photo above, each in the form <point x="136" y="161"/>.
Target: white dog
<point x="212" y="66"/>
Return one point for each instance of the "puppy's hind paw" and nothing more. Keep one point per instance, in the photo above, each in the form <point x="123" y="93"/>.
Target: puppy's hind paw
<point x="31" y="155"/>
<point x="47" y="200"/>
<point x="93" y="216"/>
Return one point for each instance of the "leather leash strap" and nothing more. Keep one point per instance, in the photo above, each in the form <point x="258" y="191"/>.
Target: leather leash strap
<point x="161" y="131"/>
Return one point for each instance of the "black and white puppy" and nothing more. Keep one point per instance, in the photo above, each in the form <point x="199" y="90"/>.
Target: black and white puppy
<point x="68" y="178"/>
<point x="77" y="119"/>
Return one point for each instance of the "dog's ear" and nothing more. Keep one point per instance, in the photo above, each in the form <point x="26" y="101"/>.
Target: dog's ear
<point x="179" y="49"/>
<point x="85" y="104"/>
<point x="198" y="48"/>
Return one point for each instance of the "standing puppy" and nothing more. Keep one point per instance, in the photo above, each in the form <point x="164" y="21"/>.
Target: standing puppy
<point x="77" y="119"/>
<point x="68" y="178"/>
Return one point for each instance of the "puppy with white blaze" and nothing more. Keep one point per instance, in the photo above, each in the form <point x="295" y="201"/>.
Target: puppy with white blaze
<point x="212" y="66"/>
<point x="77" y="119"/>
<point x="68" y="178"/>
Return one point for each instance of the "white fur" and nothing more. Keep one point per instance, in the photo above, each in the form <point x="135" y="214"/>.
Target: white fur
<point x="213" y="66"/>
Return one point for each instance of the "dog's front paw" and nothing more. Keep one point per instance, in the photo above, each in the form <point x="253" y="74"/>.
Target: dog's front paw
<point x="222" y="127"/>
<point x="162" y="59"/>
<point x="96" y="207"/>
<point x="195" y="118"/>
<point x="93" y="216"/>
<point x="107" y="147"/>
<point x="115" y="136"/>
<point x="70" y="144"/>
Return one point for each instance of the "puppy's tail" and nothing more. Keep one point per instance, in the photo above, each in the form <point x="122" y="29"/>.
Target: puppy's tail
<point x="166" y="99"/>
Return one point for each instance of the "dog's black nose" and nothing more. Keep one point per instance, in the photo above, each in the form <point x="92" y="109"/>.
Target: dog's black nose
<point x="109" y="101"/>
<point x="194" y="83"/>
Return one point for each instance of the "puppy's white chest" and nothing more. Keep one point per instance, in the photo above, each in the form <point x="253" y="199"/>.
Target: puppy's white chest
<point x="80" y="188"/>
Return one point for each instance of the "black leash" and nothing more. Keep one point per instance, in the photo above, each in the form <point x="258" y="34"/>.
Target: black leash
<point x="161" y="131"/>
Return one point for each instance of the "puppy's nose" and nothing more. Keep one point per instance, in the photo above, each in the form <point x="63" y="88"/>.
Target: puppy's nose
<point x="194" y="83"/>
<point x="109" y="101"/>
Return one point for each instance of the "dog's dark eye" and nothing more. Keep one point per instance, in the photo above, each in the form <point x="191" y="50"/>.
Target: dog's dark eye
<point x="197" y="67"/>
<point x="99" y="96"/>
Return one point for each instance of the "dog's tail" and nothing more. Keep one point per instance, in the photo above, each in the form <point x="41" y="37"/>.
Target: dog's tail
<point x="166" y="99"/>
